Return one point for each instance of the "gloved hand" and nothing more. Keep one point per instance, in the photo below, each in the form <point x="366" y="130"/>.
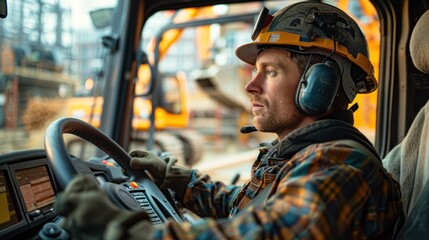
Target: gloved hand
<point x="129" y="227"/>
<point x="164" y="172"/>
<point x="87" y="211"/>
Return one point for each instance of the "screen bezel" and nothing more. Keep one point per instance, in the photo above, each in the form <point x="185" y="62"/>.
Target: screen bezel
<point x="21" y="225"/>
<point x="31" y="164"/>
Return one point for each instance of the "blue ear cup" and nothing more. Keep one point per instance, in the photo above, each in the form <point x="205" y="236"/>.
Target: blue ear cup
<point x="317" y="88"/>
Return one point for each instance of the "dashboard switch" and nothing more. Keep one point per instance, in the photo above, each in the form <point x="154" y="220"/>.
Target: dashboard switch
<point x="34" y="214"/>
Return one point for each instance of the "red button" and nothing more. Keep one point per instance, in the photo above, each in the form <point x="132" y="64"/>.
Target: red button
<point x="134" y="185"/>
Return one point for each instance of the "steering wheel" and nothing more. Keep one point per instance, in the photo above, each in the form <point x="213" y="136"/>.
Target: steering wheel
<point x="147" y="195"/>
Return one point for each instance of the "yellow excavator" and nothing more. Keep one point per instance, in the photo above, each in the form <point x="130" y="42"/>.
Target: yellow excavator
<point x="171" y="113"/>
<point x="167" y="110"/>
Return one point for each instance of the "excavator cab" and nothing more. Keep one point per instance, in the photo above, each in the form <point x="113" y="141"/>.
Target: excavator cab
<point x="116" y="86"/>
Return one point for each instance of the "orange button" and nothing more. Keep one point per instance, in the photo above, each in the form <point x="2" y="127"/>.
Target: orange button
<point x="134" y="185"/>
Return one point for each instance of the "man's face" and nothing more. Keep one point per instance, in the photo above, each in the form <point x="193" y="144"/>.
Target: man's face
<point x="273" y="90"/>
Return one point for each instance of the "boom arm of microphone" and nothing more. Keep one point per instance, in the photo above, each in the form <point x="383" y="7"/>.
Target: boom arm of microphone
<point x="248" y="129"/>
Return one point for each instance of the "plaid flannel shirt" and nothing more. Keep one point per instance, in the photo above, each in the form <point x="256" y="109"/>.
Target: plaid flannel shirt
<point x="325" y="191"/>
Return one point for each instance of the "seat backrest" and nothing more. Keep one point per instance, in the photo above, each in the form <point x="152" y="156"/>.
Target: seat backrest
<point x="408" y="162"/>
<point x="419" y="44"/>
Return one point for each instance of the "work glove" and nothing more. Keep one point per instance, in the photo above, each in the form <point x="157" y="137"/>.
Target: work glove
<point x="164" y="172"/>
<point x="89" y="214"/>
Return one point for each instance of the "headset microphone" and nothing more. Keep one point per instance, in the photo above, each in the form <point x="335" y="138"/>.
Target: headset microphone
<point x="248" y="129"/>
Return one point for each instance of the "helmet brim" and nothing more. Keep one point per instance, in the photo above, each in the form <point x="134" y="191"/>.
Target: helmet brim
<point x="248" y="52"/>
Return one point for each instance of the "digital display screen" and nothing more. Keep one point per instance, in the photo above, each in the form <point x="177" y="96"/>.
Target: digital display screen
<point x="8" y="213"/>
<point x="36" y="188"/>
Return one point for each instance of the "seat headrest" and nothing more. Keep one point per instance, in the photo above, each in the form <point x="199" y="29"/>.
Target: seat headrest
<point x="419" y="44"/>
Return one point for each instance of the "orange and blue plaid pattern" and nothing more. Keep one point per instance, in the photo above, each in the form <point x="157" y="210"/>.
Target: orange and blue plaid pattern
<point x="325" y="191"/>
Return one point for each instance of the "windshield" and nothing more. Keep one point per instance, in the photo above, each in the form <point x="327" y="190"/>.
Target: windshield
<point x="51" y="53"/>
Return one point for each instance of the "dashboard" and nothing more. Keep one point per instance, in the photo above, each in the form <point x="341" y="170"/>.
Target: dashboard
<point x="27" y="192"/>
<point x="28" y="189"/>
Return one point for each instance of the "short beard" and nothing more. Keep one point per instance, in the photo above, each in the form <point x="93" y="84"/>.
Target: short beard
<point x="281" y="125"/>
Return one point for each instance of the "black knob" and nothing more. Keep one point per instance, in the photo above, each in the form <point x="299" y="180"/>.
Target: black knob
<point x="52" y="231"/>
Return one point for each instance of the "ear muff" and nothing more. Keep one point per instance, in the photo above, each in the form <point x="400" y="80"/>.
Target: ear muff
<point x="317" y="88"/>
